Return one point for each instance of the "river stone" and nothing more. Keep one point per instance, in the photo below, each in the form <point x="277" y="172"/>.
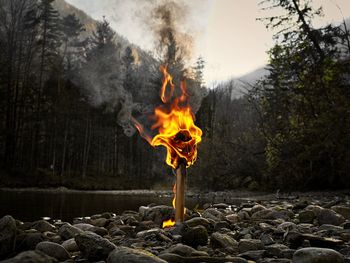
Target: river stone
<point x="257" y="208"/>
<point x="275" y="250"/>
<point x="31" y="257"/>
<point x="174" y="258"/>
<point x="185" y="251"/>
<point x="195" y="236"/>
<point x="130" y="255"/>
<point x="198" y="221"/>
<point x="317" y="255"/>
<point x="53" y="250"/>
<point x="213" y="214"/>
<point x="255" y="255"/>
<point x="328" y="216"/>
<point x="342" y="210"/>
<point x="67" y="231"/>
<point x="83" y="226"/>
<point x="157" y="214"/>
<point x="70" y="245"/>
<point x="7" y="235"/>
<point x="43" y="226"/>
<point x="28" y="241"/>
<point x="88" y="227"/>
<point x="266" y="239"/>
<point x="306" y="216"/>
<point x="93" y="246"/>
<point x="249" y="245"/>
<point x="218" y="240"/>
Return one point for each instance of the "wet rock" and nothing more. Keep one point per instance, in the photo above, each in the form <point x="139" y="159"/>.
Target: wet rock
<point x="195" y="236"/>
<point x="70" y="245"/>
<point x="249" y="245"/>
<point x="53" y="250"/>
<point x="125" y="254"/>
<point x="218" y="240"/>
<point x="7" y="235"/>
<point x="328" y="216"/>
<point x="93" y="246"/>
<point x="317" y="255"/>
<point x="306" y="216"/>
<point x="342" y="210"/>
<point x="43" y="226"/>
<point x="31" y="257"/>
<point x="67" y="231"/>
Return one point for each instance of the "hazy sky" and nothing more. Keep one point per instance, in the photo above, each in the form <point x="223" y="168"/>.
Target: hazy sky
<point x="227" y="34"/>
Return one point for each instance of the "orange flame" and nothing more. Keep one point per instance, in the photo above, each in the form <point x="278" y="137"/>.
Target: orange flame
<point x="177" y="131"/>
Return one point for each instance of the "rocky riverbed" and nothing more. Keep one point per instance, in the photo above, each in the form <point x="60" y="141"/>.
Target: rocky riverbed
<point x="300" y="230"/>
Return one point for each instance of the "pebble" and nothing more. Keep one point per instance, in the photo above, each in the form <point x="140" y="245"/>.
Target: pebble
<point x="267" y="231"/>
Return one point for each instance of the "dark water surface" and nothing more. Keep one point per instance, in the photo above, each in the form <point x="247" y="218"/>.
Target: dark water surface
<point x="66" y="205"/>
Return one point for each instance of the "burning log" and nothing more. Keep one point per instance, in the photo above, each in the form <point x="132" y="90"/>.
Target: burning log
<point x="178" y="133"/>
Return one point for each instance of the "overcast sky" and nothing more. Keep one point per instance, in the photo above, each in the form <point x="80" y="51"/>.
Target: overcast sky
<point x="227" y="34"/>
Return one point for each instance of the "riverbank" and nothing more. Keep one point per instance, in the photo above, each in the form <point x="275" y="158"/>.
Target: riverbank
<point x="302" y="229"/>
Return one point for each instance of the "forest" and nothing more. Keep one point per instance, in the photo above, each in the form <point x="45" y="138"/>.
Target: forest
<point x="68" y="89"/>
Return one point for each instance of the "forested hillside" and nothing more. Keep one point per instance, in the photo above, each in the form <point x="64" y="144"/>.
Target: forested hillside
<point x="69" y="84"/>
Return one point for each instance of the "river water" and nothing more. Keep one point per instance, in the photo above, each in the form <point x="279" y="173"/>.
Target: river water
<point x="31" y="205"/>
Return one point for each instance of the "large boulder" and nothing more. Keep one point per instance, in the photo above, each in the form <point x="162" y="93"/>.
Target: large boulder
<point x="8" y="232"/>
<point x="31" y="257"/>
<point x="317" y="255"/>
<point x="93" y="246"/>
<point x="125" y="254"/>
<point x="53" y="250"/>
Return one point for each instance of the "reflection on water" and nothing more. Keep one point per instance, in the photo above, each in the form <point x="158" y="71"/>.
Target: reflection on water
<point x="33" y="205"/>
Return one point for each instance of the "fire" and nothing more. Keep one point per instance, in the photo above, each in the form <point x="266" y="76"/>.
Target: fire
<point x="177" y="131"/>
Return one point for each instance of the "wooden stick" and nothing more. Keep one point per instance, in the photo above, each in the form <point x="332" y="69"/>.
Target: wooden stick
<point x="180" y="193"/>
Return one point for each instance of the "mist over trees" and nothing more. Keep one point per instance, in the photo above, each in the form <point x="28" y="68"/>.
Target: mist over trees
<point x="66" y="98"/>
